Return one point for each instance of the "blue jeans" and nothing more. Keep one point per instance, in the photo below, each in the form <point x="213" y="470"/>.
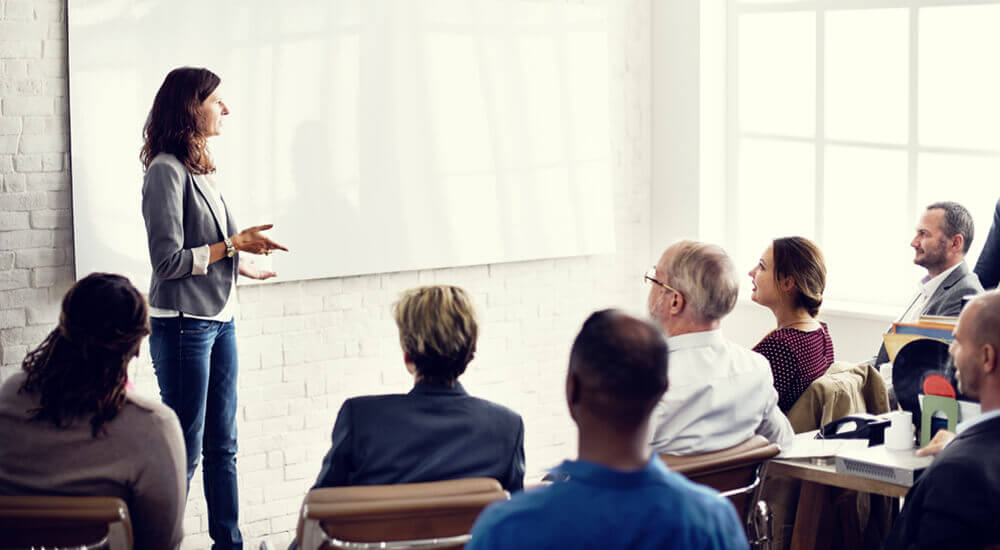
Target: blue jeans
<point x="195" y="363"/>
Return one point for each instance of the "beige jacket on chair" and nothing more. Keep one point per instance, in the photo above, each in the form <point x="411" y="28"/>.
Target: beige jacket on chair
<point x="846" y="388"/>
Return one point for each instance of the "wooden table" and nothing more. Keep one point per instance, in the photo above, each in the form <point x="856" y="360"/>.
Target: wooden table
<point x="812" y="528"/>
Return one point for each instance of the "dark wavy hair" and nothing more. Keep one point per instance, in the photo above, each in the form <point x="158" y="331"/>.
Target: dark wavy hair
<point x="800" y="259"/>
<point x="173" y="123"/>
<point x="80" y="367"/>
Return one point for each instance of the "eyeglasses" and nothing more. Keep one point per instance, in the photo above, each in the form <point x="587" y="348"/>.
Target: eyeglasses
<point x="650" y="277"/>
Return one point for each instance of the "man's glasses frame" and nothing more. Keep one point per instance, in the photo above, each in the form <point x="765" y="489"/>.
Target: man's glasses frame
<point x="650" y="277"/>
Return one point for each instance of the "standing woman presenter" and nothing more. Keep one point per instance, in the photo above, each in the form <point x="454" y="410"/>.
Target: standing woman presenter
<point x="193" y="248"/>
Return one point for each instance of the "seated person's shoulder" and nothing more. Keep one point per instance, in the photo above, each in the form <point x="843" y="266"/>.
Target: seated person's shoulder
<point x="498" y="410"/>
<point x="974" y="286"/>
<point x="374" y="408"/>
<point x="774" y="346"/>
<point x="705" y="519"/>
<point x="142" y="408"/>
<point x="362" y="401"/>
<point x="698" y="499"/>
<point x="527" y="520"/>
<point x="969" y="460"/>
<point x="673" y="509"/>
<point x="754" y="361"/>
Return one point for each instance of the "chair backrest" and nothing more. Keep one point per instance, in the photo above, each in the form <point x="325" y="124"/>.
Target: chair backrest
<point x="733" y="471"/>
<point x="412" y="515"/>
<point x="54" y="522"/>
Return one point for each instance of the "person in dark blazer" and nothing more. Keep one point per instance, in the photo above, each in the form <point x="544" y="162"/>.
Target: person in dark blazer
<point x="956" y="502"/>
<point x="437" y="431"/>
<point x="944" y="235"/>
<point x="193" y="250"/>
<point x="988" y="264"/>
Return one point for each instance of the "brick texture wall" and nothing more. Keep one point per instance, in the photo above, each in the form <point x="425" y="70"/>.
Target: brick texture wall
<point x="306" y="346"/>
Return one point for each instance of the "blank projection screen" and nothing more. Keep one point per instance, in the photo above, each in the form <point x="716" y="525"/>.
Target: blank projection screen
<point x="377" y="135"/>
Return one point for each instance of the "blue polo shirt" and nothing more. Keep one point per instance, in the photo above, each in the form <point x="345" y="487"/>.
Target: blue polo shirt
<point x="597" y="507"/>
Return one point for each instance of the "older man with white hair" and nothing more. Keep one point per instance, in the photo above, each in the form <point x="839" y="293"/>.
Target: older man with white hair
<point x="721" y="394"/>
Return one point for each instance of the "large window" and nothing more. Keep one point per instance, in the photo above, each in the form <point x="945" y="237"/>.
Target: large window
<point x="845" y="118"/>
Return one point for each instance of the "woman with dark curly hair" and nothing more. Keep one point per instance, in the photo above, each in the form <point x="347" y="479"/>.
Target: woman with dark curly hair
<point x="193" y="248"/>
<point x="70" y="427"/>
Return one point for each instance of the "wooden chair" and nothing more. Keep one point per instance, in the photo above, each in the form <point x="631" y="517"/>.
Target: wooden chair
<point x="54" y="522"/>
<point x="412" y="516"/>
<point x="735" y="472"/>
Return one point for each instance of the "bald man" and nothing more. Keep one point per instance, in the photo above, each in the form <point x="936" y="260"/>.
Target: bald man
<point x="956" y="503"/>
<point x="616" y="494"/>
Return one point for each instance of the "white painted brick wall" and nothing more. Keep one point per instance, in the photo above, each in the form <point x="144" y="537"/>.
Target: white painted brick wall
<point x="306" y="346"/>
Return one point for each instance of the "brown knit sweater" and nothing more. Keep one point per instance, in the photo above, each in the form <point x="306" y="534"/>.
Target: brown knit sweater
<point x="140" y="460"/>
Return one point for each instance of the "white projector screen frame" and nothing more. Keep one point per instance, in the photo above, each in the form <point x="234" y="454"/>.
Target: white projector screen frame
<point x="377" y="135"/>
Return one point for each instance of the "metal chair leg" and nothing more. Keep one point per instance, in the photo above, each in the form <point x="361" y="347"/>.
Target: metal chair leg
<point x="761" y="527"/>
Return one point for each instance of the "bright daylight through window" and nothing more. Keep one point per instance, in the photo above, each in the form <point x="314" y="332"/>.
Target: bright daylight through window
<point x="846" y="118"/>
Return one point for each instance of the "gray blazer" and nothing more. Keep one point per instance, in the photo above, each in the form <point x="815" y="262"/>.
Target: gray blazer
<point x="948" y="299"/>
<point x="179" y="216"/>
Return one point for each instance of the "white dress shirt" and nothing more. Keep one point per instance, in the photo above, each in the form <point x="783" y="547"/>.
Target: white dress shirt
<point x="719" y="395"/>
<point x="966" y="424"/>
<point x="925" y="290"/>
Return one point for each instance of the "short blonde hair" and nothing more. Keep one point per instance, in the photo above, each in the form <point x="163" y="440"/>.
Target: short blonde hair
<point x="437" y="330"/>
<point x="706" y="276"/>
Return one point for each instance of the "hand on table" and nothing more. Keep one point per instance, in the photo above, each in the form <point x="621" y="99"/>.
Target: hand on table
<point x="938" y="442"/>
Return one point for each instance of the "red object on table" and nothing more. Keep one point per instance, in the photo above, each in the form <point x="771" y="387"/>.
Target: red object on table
<point x="935" y="384"/>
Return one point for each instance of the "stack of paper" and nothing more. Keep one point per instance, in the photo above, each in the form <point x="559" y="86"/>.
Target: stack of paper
<point x="805" y="445"/>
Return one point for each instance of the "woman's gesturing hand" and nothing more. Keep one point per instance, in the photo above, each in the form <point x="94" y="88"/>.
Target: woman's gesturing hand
<point x="253" y="241"/>
<point x="251" y="270"/>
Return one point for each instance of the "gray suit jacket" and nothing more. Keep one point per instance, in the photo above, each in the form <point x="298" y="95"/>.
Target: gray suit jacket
<point x="947" y="300"/>
<point x="180" y="216"/>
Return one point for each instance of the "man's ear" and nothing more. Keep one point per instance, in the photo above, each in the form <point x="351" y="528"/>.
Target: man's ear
<point x="989" y="359"/>
<point x="572" y="389"/>
<point x="677" y="303"/>
<point x="957" y="242"/>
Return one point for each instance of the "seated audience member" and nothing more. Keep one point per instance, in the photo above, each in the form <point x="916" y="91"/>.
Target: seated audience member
<point x="988" y="265"/>
<point x="721" y="394"/>
<point x="615" y="495"/>
<point x="70" y="427"/>
<point x="789" y="280"/>
<point x="956" y="502"/>
<point x="944" y="235"/>
<point x="437" y="431"/>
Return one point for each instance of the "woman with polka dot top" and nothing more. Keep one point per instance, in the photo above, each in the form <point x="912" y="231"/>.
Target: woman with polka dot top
<point x="789" y="280"/>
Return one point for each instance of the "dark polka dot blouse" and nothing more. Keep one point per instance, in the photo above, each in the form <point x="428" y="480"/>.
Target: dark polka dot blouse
<point x="797" y="358"/>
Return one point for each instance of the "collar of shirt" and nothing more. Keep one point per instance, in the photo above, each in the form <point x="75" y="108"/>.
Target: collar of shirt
<point x="591" y="473"/>
<point x="929" y="286"/>
<point x="704" y="339"/>
<point x="423" y="387"/>
<point x="963" y="426"/>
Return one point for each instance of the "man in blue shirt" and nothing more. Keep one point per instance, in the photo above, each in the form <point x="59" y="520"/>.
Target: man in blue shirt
<point x="615" y="495"/>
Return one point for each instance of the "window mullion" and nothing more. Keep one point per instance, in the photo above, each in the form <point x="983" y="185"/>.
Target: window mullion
<point x="913" y="142"/>
<point x="820" y="130"/>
